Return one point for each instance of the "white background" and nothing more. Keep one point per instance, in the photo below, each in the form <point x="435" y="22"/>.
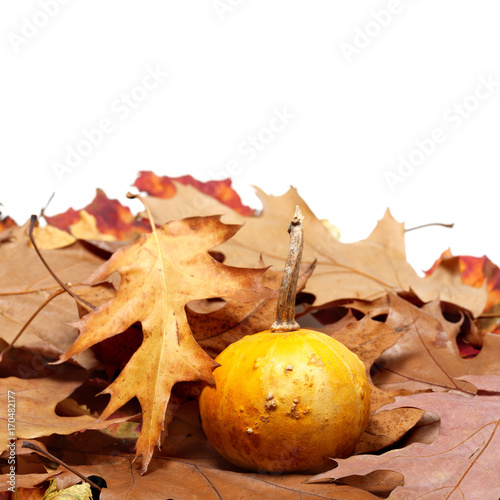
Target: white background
<point x="360" y="101"/>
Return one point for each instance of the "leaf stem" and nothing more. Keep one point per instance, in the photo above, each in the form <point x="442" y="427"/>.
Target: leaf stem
<point x="429" y="225"/>
<point x="79" y="299"/>
<point x="285" y="312"/>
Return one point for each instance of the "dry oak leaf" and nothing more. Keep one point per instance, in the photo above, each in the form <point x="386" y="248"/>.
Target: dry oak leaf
<point x="112" y="219"/>
<point x="25" y="284"/>
<point x="364" y="270"/>
<point x="368" y="339"/>
<point x="214" y="324"/>
<point x="263" y="236"/>
<point x="35" y="404"/>
<point x="166" y="187"/>
<point x="160" y="274"/>
<point x="463" y="461"/>
<point x="367" y="269"/>
<point x="427" y="356"/>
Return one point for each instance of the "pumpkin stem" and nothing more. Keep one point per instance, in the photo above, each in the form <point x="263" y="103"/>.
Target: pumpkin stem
<point x="285" y="313"/>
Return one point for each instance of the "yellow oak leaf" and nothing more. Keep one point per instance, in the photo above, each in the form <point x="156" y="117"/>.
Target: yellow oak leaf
<point x="160" y="274"/>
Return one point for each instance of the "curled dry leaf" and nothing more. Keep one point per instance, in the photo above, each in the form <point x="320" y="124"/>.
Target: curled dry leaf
<point x="446" y="284"/>
<point x="463" y="461"/>
<point x="427" y="355"/>
<point x="477" y="271"/>
<point x="160" y="274"/>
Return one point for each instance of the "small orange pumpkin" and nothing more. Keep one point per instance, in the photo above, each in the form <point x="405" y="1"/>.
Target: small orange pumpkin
<point x="286" y="399"/>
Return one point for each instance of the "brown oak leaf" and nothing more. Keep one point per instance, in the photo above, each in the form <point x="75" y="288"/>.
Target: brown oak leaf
<point x="160" y="274"/>
<point x="427" y="355"/>
<point x="365" y="270"/>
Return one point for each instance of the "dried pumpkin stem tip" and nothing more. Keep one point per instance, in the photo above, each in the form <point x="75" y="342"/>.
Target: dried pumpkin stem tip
<point x="285" y="313"/>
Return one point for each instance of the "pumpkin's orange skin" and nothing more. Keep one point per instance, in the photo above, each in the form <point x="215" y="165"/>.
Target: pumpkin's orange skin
<point x="286" y="402"/>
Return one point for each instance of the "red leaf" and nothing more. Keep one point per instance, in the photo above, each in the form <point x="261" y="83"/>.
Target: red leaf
<point x="111" y="216"/>
<point x="164" y="187"/>
<point x="7" y="223"/>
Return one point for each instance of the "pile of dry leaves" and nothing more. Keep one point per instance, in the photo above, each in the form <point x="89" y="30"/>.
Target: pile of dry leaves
<point x="103" y="368"/>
